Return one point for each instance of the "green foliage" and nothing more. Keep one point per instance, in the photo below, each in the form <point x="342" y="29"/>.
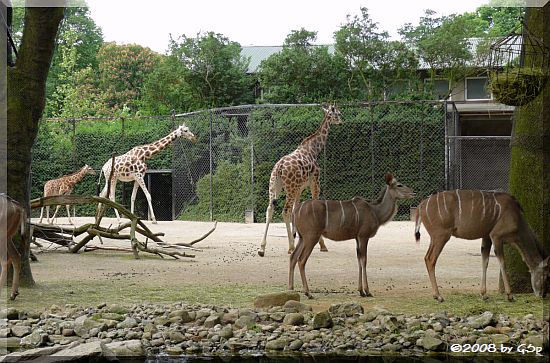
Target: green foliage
<point x="303" y="73"/>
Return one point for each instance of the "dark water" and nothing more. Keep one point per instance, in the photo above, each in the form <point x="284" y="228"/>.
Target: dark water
<point x="322" y="358"/>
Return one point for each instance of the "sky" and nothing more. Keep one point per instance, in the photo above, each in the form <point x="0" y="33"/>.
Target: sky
<point x="250" y="22"/>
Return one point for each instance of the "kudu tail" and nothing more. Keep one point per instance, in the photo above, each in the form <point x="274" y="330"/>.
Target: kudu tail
<point x="417" y="225"/>
<point x="23" y="222"/>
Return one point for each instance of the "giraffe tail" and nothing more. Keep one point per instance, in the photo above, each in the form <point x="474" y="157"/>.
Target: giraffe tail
<point x="98" y="186"/>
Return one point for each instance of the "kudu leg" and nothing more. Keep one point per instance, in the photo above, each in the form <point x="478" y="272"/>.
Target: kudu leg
<point x="499" y="252"/>
<point x="309" y="244"/>
<point x="436" y="246"/>
<point x="363" y="285"/>
<point x="315" y="191"/>
<point x="16" y="262"/>
<point x="292" y="262"/>
<point x="268" y="217"/>
<point x="485" y="250"/>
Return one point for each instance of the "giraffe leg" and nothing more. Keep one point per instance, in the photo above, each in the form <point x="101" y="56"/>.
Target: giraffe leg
<point x="315" y="191"/>
<point x="48" y="214"/>
<point x="287" y="213"/>
<point x="55" y="213"/>
<point x="41" y="214"/>
<point x="112" y="197"/>
<point x="268" y="216"/>
<point x="69" y="214"/>
<point x="134" y="194"/>
<point x="148" y="196"/>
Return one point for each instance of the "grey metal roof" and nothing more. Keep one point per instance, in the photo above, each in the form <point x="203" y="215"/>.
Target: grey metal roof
<point x="257" y="53"/>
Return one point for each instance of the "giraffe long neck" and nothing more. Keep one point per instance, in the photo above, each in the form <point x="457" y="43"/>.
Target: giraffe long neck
<point x="76" y="177"/>
<point x="159" y="145"/>
<point x="316" y="141"/>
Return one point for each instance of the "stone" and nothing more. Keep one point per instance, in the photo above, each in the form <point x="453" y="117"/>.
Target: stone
<point x="226" y="332"/>
<point x="481" y="321"/>
<point x="275" y="299"/>
<point x="31" y="354"/>
<point x="295" y="344"/>
<point x="10" y="314"/>
<point x="245" y="321"/>
<point x="322" y="320"/>
<point x="127" y="348"/>
<point x="294" y="319"/>
<point x="174" y="350"/>
<point x="83" y="325"/>
<point x="229" y="318"/>
<point x="12" y="342"/>
<point x="176" y="336"/>
<point x="20" y="331"/>
<point x="430" y="343"/>
<point x="373" y="314"/>
<point x="535" y="340"/>
<point x="5" y="332"/>
<point x="67" y="332"/>
<point x="277" y="316"/>
<point x="345" y="310"/>
<point x="112" y="316"/>
<point x="133" y="335"/>
<point x="127" y="323"/>
<point x="86" y="351"/>
<point x="117" y="309"/>
<point x="183" y="316"/>
<point x="293" y="306"/>
<point x="36" y="339"/>
<point x="499" y="339"/>
<point x="276" y="344"/>
<point x="211" y="321"/>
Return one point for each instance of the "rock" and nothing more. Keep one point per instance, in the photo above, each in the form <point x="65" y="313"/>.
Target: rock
<point x="162" y="321"/>
<point x="117" y="309"/>
<point x="293" y="306"/>
<point x="229" y="318"/>
<point x="150" y="328"/>
<point x="276" y="344"/>
<point x="127" y="323"/>
<point x="491" y="330"/>
<point x="96" y="349"/>
<point x="176" y="336"/>
<point x="535" y="340"/>
<point x="9" y="313"/>
<point x="174" y="350"/>
<point x="295" y="344"/>
<point x="36" y="339"/>
<point x="322" y="320"/>
<point x="294" y="319"/>
<point x="12" y="342"/>
<point x="20" y="331"/>
<point x="211" y="321"/>
<point x="133" y="335"/>
<point x="275" y="299"/>
<point x="345" y="310"/>
<point x="5" y="332"/>
<point x="182" y="314"/>
<point x="226" y="332"/>
<point x="277" y="316"/>
<point x="67" y="332"/>
<point x="481" y="321"/>
<point x="499" y="339"/>
<point x="127" y="348"/>
<point x="31" y="354"/>
<point x="112" y="316"/>
<point x="483" y="340"/>
<point x="83" y="325"/>
<point x="245" y="321"/>
<point x="373" y="314"/>
<point x="430" y="343"/>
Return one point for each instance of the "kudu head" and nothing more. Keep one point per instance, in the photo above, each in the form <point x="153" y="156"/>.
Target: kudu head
<point x="396" y="189"/>
<point x="333" y="114"/>
<point x="539" y="278"/>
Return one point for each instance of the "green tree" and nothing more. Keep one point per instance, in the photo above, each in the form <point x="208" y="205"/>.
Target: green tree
<point x="26" y="98"/>
<point x="373" y="62"/>
<point x="122" y="73"/>
<point x="302" y="72"/>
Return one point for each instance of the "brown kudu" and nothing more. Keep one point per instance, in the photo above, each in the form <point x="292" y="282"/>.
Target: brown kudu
<point x="342" y="220"/>
<point x="12" y="217"/>
<point x="496" y="218"/>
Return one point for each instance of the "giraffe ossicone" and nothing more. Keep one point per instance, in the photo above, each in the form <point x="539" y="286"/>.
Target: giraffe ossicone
<point x="296" y="171"/>
<point x="132" y="167"/>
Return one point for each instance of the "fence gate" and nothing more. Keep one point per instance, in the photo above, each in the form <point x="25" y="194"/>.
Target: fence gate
<point x="475" y="162"/>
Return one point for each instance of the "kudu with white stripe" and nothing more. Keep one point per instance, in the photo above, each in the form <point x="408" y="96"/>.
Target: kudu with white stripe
<point x="341" y="220"/>
<point x="496" y="218"/>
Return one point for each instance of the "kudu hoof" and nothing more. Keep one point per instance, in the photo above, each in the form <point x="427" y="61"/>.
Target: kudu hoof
<point x="309" y="296"/>
<point x="261" y="253"/>
<point x="439" y="298"/>
<point x="484" y="297"/>
<point x="154" y="222"/>
<point x="14" y="295"/>
<point x="511" y="298"/>
<point x="290" y="251"/>
<point x="324" y="249"/>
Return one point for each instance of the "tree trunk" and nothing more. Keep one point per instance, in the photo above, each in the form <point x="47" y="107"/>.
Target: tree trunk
<point x="26" y="86"/>
<point x="529" y="179"/>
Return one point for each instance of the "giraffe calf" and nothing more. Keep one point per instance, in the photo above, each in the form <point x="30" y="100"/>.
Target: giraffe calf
<point x="12" y="217"/>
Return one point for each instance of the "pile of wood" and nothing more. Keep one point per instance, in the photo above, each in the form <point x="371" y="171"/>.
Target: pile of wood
<point x="65" y="236"/>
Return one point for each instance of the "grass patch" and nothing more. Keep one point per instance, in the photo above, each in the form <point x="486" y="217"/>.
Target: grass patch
<point x="242" y="295"/>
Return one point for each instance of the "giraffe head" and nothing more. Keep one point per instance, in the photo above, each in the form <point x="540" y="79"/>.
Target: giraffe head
<point x="332" y="113"/>
<point x="183" y="131"/>
<point x="87" y="169"/>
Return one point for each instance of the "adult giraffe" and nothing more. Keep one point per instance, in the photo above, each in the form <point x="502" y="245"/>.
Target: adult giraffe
<point x="297" y="170"/>
<point x="132" y="167"/>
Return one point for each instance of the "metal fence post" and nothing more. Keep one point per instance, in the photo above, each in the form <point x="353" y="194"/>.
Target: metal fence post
<point x="210" y="156"/>
<point x="446" y="143"/>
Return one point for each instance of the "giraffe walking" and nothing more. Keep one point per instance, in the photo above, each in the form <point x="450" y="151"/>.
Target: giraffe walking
<point x="63" y="186"/>
<point x="296" y="171"/>
<point x="132" y="167"/>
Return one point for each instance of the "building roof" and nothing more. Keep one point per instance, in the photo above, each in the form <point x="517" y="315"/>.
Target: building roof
<point x="257" y="53"/>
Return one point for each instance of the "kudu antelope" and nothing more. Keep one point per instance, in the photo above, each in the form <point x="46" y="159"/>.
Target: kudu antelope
<point x="12" y="217"/>
<point x="341" y="220"/>
<point x="494" y="217"/>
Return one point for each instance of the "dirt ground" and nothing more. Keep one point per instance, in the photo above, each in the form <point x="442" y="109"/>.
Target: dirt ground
<point x="229" y="255"/>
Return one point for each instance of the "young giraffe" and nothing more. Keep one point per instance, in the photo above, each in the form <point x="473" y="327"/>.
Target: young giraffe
<point x="297" y="170"/>
<point x="131" y="167"/>
<point x="63" y="186"/>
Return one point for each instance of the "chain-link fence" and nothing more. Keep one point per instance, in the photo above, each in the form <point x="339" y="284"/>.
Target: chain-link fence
<point x="225" y="176"/>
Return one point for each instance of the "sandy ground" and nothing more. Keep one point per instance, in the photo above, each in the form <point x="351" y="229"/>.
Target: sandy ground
<point x="229" y="255"/>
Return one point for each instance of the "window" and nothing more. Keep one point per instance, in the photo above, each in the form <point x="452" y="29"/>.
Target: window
<point x="477" y="89"/>
<point x="439" y="87"/>
<point x="397" y="88"/>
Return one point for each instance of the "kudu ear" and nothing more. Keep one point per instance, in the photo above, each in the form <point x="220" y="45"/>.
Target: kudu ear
<point x="388" y="177"/>
<point x="544" y="263"/>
